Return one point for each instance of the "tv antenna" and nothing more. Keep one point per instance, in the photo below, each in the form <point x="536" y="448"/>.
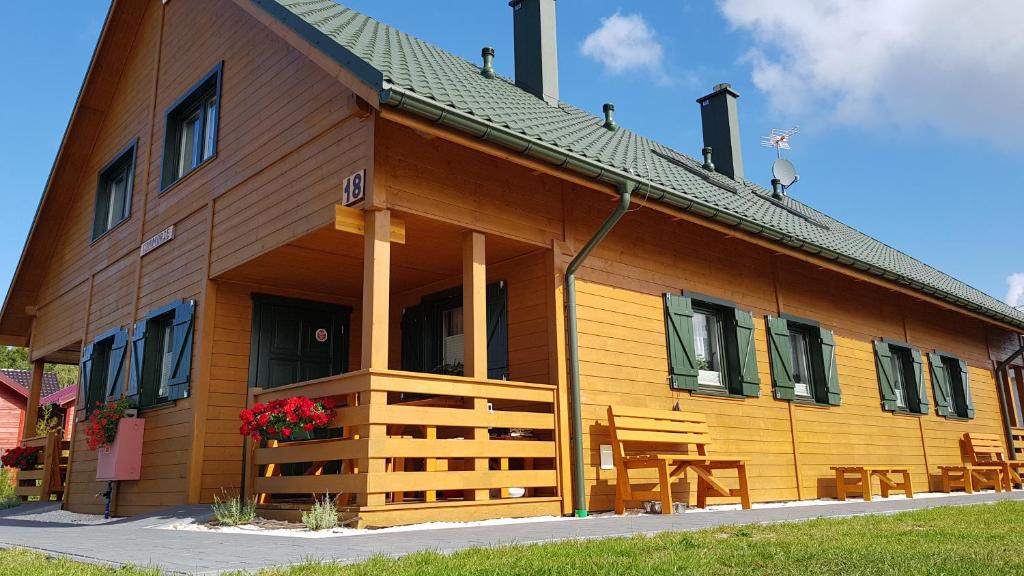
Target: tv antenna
<point x="783" y="171"/>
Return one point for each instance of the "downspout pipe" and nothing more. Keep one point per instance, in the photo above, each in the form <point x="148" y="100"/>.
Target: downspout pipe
<point x="579" y="493"/>
<point x="1003" y="401"/>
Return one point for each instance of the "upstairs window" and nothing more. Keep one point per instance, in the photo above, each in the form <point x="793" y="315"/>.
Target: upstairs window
<point x="803" y="361"/>
<point x="710" y="346"/>
<point x="191" y="129"/>
<point x="900" y="378"/>
<point x="114" y="193"/>
<point x="951" y="385"/>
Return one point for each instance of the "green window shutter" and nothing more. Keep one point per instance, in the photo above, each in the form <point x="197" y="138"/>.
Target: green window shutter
<point x="137" y="358"/>
<point x="181" y="350"/>
<point x="84" y="379"/>
<point x="781" y="356"/>
<point x="115" y="370"/>
<point x="940" y="384"/>
<point x="682" y="365"/>
<point x="829" y="370"/>
<point x="744" y="369"/>
<point x="497" y="331"/>
<point x="922" y="392"/>
<point x="965" y="378"/>
<point x="883" y="365"/>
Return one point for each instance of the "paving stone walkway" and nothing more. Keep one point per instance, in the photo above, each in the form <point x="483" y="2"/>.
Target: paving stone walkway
<point x="140" y="541"/>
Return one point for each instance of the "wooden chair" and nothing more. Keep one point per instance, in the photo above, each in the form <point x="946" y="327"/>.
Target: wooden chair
<point x="969" y="477"/>
<point x="987" y="450"/>
<point x="670" y="442"/>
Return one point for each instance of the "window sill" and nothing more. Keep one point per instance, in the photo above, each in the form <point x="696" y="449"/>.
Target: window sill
<point x="958" y="418"/>
<point x="109" y="230"/>
<point x="718" y="394"/>
<point x="908" y="413"/>
<point x="186" y="176"/>
<point x="157" y="406"/>
<point x="810" y="403"/>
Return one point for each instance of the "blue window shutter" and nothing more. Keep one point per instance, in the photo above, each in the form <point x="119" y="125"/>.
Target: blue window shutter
<point x="682" y="365"/>
<point x="883" y="365"/>
<point x="181" y="350"/>
<point x="138" y="357"/>
<point x="115" y="371"/>
<point x="746" y="355"/>
<point x="84" y="379"/>
<point x="781" y="357"/>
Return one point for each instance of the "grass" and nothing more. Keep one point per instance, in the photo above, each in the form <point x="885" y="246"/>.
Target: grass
<point x="971" y="540"/>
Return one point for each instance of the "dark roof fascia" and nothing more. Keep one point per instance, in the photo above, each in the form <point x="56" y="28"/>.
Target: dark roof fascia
<point x="363" y="70"/>
<point x="419" y="105"/>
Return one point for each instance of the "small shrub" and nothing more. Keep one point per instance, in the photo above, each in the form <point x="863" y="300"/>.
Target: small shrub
<point x="48" y="421"/>
<point x="322" y="516"/>
<point x="7" y="497"/>
<point x="234" y="511"/>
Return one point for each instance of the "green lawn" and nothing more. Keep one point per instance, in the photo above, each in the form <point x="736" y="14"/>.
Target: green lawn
<point x="983" y="540"/>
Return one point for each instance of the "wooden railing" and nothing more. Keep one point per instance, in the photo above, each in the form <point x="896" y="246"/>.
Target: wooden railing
<point x="404" y="441"/>
<point x="1017" y="435"/>
<point x="48" y="477"/>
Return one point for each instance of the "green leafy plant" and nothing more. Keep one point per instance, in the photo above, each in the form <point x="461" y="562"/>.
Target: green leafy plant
<point x="7" y="497"/>
<point x="48" y="421"/>
<point x="322" y="516"/>
<point x="234" y="511"/>
<point x="453" y="369"/>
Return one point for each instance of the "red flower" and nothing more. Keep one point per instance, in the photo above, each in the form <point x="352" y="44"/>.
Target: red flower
<point x="308" y="427"/>
<point x="286" y="432"/>
<point x="284" y="416"/>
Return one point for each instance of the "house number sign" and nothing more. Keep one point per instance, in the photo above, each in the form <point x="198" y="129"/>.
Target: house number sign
<point x="162" y="237"/>
<point x="321" y="335"/>
<point x="354" y="188"/>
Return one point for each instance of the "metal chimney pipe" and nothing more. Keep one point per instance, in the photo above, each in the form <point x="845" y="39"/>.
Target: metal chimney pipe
<point x="609" y="117"/>
<point x="488" y="70"/>
<point x="720" y="121"/>
<point x="708" y="164"/>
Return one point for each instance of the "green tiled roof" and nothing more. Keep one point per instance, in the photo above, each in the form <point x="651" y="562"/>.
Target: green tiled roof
<point x="402" y="63"/>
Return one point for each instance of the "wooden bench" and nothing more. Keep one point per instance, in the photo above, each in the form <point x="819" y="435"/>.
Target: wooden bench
<point x="987" y="450"/>
<point x="672" y="443"/>
<point x="969" y="477"/>
<point x="862" y="475"/>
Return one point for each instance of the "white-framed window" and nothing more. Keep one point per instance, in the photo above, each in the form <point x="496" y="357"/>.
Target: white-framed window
<point x="800" y="350"/>
<point x="709" y="347"/>
<point x="191" y="129"/>
<point x="114" y="192"/>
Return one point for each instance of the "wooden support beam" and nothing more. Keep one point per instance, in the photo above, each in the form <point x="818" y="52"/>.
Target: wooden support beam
<point x="32" y="408"/>
<point x="376" y="289"/>
<point x="352" y="220"/>
<point x="474" y="304"/>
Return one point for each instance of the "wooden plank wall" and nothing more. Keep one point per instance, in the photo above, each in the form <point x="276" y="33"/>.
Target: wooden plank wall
<point x="623" y="357"/>
<point x="12" y="410"/>
<point x="287" y="138"/>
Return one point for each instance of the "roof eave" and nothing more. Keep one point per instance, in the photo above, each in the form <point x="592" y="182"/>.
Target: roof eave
<point x="411" y="102"/>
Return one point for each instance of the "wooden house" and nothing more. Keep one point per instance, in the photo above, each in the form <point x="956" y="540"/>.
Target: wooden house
<point x="259" y="199"/>
<point x="15" y="387"/>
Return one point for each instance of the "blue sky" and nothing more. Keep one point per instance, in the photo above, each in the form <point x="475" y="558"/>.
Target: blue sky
<point x="910" y="120"/>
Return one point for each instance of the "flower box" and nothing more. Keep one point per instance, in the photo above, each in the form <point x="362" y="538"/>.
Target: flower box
<point x="122" y="460"/>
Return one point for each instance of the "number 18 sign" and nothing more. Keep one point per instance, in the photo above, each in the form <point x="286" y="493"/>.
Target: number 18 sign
<point x="354" y="188"/>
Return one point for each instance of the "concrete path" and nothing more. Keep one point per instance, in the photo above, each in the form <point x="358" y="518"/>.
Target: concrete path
<point x="140" y="541"/>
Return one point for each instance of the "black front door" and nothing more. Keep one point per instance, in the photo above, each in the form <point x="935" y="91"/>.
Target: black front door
<point x="297" y="340"/>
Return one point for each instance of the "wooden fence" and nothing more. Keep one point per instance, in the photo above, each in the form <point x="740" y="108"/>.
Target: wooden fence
<point x="48" y="477"/>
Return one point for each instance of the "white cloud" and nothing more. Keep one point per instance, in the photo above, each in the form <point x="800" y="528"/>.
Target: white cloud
<point x="625" y="44"/>
<point x="949" y="65"/>
<point x="1015" y="290"/>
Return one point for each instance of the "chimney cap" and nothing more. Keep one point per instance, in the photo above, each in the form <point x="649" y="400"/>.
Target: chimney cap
<point x="487" y="51"/>
<point x="718" y="89"/>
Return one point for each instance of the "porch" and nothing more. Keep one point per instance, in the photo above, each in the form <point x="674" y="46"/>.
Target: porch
<point x="445" y="384"/>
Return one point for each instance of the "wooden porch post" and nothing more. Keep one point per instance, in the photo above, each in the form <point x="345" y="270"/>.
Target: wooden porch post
<point x="376" y="288"/>
<point x="376" y="302"/>
<point x="474" y="323"/>
<point x="32" y="408"/>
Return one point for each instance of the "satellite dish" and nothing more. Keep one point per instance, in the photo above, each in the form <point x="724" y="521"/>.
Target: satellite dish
<point x="785" y="172"/>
